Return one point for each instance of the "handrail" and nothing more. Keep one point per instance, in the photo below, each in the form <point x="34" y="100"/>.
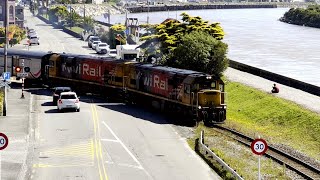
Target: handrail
<point x="220" y="161"/>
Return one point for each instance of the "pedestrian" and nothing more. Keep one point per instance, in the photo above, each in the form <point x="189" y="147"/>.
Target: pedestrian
<point x="275" y="89"/>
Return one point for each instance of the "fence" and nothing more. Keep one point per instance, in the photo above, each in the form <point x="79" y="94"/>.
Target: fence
<point x="206" y="150"/>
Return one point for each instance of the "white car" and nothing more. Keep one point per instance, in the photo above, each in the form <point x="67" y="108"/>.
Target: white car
<point x="34" y="40"/>
<point x="94" y="44"/>
<point x="102" y="48"/>
<point x="68" y="100"/>
<point x="91" y="39"/>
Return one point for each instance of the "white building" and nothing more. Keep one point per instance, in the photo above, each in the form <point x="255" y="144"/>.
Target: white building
<point x="97" y="1"/>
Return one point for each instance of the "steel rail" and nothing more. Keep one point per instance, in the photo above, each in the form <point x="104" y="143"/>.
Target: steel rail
<point x="299" y="166"/>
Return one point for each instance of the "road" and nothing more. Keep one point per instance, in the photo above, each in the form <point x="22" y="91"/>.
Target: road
<point x="105" y="140"/>
<point x="109" y="141"/>
<point x="52" y="39"/>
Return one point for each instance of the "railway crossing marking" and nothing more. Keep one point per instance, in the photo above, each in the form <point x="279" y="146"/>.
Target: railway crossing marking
<point x="259" y="147"/>
<point x="3" y="144"/>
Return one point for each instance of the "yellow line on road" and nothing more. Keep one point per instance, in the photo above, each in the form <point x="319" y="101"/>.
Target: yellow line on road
<point x="98" y="149"/>
<point x="95" y="141"/>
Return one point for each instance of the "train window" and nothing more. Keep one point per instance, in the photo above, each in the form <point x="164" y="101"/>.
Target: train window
<point x="187" y="88"/>
<point x="213" y="85"/>
<point x="51" y="63"/>
<point x="221" y="87"/>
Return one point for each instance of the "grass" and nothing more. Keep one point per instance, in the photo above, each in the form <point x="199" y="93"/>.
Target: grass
<point x="237" y="156"/>
<point x="75" y="29"/>
<point x="277" y="120"/>
<point x="257" y="113"/>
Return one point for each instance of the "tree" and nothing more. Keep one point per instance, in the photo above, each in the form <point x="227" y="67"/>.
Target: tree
<point x="116" y="30"/>
<point x="200" y="52"/>
<point x="163" y="40"/>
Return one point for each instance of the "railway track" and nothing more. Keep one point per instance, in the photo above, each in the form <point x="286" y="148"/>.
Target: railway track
<point x="302" y="168"/>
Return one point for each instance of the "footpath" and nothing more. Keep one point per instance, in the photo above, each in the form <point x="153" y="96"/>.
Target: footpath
<point x="304" y="99"/>
<point x="16" y="125"/>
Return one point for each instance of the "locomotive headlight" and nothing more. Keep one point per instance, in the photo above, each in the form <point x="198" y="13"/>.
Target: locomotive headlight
<point x="199" y="107"/>
<point x="224" y="107"/>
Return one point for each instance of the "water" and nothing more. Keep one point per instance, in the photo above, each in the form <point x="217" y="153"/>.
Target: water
<point x="256" y="37"/>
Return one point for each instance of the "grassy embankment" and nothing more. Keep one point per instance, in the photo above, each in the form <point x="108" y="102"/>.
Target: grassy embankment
<point x="257" y="113"/>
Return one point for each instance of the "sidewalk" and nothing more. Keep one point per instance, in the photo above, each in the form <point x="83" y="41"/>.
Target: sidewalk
<point x="16" y="126"/>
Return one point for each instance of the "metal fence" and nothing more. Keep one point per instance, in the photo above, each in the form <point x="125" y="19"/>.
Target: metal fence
<point x="204" y="148"/>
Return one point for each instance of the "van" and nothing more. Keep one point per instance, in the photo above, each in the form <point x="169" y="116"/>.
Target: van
<point x="34" y="40"/>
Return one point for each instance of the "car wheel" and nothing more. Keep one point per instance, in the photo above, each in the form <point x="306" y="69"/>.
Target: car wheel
<point x="38" y="43"/>
<point x="78" y="110"/>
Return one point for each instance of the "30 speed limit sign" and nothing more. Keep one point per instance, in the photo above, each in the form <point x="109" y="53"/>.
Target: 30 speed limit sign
<point x="259" y="146"/>
<point x="3" y="141"/>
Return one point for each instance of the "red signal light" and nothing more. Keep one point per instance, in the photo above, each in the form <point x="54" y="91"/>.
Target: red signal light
<point x="18" y="69"/>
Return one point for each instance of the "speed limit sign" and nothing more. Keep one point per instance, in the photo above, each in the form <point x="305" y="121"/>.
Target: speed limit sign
<point x="259" y="146"/>
<point x="3" y="141"/>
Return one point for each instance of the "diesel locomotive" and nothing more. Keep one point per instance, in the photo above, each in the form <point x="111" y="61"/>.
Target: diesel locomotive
<point x="193" y="94"/>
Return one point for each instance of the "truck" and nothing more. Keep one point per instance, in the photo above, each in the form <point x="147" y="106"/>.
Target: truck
<point x="127" y="52"/>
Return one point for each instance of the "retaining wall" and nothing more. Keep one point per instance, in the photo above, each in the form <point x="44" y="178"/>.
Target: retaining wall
<point x="144" y="8"/>
<point x="276" y="78"/>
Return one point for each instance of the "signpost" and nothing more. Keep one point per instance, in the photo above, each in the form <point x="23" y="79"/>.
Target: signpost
<point x="3" y="144"/>
<point x="259" y="147"/>
<point x="6" y="76"/>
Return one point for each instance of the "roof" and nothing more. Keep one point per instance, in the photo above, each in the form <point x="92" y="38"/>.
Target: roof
<point x="62" y="88"/>
<point x="68" y="93"/>
<point x="24" y="53"/>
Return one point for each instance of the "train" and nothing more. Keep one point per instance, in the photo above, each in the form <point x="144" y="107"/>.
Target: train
<point x="196" y="95"/>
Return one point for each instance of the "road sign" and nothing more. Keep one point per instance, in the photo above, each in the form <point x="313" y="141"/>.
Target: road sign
<point x="6" y="75"/>
<point x="3" y="141"/>
<point x="22" y="75"/>
<point x="259" y="146"/>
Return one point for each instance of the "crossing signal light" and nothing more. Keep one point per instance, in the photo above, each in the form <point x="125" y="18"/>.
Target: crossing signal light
<point x="26" y="69"/>
<point x="18" y="69"/>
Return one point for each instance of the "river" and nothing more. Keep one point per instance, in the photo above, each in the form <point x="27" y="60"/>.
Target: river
<point x="256" y="37"/>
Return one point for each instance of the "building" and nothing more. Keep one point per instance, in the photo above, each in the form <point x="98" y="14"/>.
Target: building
<point x="11" y="6"/>
<point x="19" y="16"/>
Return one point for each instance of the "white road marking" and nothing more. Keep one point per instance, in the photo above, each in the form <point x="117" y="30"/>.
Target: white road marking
<point x="124" y="146"/>
<point x="110" y="140"/>
<point x="130" y="166"/>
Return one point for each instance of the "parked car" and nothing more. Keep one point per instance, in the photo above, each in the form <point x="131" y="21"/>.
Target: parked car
<point x="94" y="44"/>
<point x="68" y="100"/>
<point x="91" y="39"/>
<point x="57" y="92"/>
<point x="102" y="48"/>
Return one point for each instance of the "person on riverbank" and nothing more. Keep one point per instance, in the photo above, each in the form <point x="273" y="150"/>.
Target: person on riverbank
<point x="275" y="89"/>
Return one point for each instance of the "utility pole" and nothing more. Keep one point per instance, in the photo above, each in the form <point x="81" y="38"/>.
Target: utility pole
<point x="6" y="54"/>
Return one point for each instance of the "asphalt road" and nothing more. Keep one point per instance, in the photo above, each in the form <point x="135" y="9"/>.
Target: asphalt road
<point x="105" y="140"/>
<point x="52" y="39"/>
<point x="108" y="140"/>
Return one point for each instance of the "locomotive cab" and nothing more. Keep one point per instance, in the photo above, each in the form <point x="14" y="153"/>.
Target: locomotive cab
<point x="210" y="100"/>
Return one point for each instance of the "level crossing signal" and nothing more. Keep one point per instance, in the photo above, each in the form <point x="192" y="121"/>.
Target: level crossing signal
<point x="18" y="69"/>
<point x="26" y="69"/>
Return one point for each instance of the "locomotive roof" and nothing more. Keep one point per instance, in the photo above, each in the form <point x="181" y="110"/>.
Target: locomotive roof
<point x="172" y="70"/>
<point x="17" y="52"/>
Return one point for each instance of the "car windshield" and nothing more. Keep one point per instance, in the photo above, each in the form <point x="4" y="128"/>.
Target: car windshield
<point x="102" y="45"/>
<point x="59" y="91"/>
<point x="95" y="39"/>
<point x="68" y="96"/>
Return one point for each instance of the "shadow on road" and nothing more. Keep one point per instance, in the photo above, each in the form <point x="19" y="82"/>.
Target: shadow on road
<point x="47" y="104"/>
<point x="52" y="111"/>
